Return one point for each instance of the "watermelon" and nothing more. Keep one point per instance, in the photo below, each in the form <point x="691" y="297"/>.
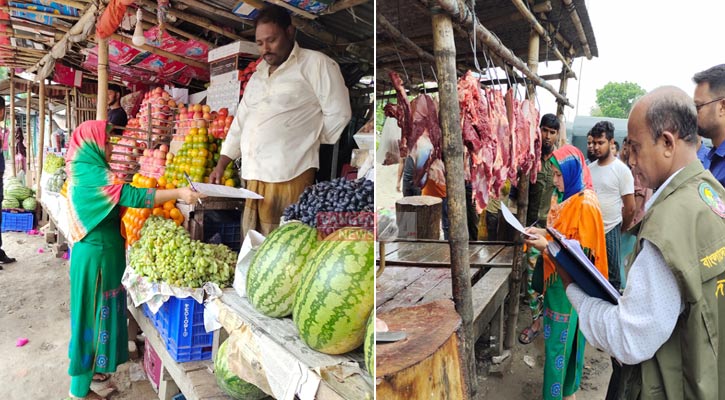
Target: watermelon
<point x="18" y="192"/>
<point x="10" y="203"/>
<point x="275" y="270"/>
<point x="336" y="293"/>
<point x="230" y="383"/>
<point x="29" y="204"/>
<point x="370" y="345"/>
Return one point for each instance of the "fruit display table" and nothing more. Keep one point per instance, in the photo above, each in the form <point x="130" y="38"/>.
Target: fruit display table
<point x="56" y="208"/>
<point x="194" y="379"/>
<point x="275" y="347"/>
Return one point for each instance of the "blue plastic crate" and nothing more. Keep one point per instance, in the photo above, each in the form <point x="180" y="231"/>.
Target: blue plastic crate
<point x="19" y="222"/>
<point x="223" y="226"/>
<point x="181" y="325"/>
<point x="179" y="396"/>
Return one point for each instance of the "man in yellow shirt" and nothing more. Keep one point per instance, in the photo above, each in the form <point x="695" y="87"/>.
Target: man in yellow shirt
<point x="295" y="101"/>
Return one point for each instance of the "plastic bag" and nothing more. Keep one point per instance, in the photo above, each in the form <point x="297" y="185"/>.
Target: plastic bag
<point x="389" y="150"/>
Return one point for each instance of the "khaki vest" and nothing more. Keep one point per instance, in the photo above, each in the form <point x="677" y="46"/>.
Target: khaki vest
<point x="686" y="224"/>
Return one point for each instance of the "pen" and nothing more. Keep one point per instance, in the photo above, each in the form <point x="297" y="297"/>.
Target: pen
<point x="191" y="185"/>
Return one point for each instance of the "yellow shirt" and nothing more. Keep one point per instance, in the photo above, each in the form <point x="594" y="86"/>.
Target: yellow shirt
<point x="284" y="117"/>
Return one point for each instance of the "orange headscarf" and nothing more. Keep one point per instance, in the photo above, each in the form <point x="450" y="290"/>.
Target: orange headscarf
<point x="578" y="215"/>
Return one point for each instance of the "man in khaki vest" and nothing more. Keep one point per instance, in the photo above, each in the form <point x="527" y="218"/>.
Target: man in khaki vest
<point x="669" y="326"/>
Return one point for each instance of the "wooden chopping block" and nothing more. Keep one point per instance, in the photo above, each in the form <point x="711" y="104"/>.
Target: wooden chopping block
<point x="419" y="217"/>
<point x="427" y="363"/>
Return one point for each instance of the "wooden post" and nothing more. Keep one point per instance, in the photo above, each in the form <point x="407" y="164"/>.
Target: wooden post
<point x="102" y="100"/>
<point x="76" y="115"/>
<point x="563" y="84"/>
<point x="41" y="134"/>
<point x="68" y="114"/>
<point x="12" y="121"/>
<point x="29" y="135"/>
<point x="445" y="54"/>
<point x="519" y="263"/>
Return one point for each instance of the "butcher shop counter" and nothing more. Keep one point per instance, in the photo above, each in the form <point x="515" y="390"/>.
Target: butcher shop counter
<point x="418" y="272"/>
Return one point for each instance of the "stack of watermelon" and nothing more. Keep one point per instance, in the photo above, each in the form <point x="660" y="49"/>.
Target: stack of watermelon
<point x="327" y="285"/>
<point x="230" y="383"/>
<point x="15" y="195"/>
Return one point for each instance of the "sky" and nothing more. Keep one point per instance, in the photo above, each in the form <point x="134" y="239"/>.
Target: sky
<point x="651" y="43"/>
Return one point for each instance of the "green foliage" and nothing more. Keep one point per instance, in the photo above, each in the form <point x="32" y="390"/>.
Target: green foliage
<point x="615" y="99"/>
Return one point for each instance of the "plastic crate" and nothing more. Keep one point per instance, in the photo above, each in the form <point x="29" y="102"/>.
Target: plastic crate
<point x="226" y="226"/>
<point x="19" y="222"/>
<point x="179" y="396"/>
<point x="181" y="325"/>
<point x="152" y="365"/>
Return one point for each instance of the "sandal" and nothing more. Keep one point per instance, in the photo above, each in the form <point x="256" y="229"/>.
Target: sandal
<point x="528" y="335"/>
<point x="99" y="377"/>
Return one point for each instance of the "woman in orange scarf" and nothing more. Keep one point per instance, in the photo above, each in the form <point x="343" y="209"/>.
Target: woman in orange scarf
<point x="576" y="214"/>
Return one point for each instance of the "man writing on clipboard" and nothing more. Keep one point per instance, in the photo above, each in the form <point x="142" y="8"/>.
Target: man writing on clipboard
<point x="668" y="328"/>
<point x="295" y="101"/>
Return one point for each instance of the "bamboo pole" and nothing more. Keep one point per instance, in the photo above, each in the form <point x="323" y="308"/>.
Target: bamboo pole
<point x="149" y="21"/>
<point x="68" y="113"/>
<point x="102" y="99"/>
<point x="529" y="16"/>
<point x="569" y="5"/>
<point x="519" y="262"/>
<point x="343" y="5"/>
<point x="445" y="56"/>
<point x="28" y="133"/>
<point x="12" y="121"/>
<point x="563" y="84"/>
<point x="157" y="51"/>
<point x="198" y="21"/>
<point x="41" y="143"/>
<point x="465" y="18"/>
<point x="76" y="113"/>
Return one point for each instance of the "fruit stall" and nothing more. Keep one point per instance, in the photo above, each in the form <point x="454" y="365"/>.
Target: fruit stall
<point x="184" y="67"/>
<point x="482" y="61"/>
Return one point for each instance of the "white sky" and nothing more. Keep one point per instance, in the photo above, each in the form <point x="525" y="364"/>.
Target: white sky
<point x="651" y="43"/>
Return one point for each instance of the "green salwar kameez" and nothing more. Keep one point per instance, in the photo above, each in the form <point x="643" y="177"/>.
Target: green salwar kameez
<point x="99" y="338"/>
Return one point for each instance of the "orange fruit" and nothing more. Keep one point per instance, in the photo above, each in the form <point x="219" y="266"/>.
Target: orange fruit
<point x="170" y="186"/>
<point x="229" y="182"/>
<point x="175" y="213"/>
<point x="151" y="182"/>
<point x="166" y="214"/>
<point x="158" y="212"/>
<point x="136" y="177"/>
<point x="178" y="222"/>
<point x="169" y="205"/>
<point x="162" y="181"/>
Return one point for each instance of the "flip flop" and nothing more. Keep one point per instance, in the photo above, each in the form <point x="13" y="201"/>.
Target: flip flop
<point x="528" y="335"/>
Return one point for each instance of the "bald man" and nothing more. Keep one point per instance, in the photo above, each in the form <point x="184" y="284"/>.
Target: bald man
<point x="669" y="327"/>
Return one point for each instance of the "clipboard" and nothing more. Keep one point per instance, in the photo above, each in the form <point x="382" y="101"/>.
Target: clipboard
<point x="568" y="254"/>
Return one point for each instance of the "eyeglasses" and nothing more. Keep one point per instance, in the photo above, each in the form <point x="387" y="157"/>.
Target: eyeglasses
<point x="699" y="106"/>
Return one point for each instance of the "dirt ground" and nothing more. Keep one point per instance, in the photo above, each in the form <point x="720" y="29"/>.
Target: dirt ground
<point x="34" y="304"/>
<point x="517" y="380"/>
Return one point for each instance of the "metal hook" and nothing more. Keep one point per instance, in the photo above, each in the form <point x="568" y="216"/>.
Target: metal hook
<point x="407" y="78"/>
<point x="434" y="74"/>
<point x="422" y="76"/>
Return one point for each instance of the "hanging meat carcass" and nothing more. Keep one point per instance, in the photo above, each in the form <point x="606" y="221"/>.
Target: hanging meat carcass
<point x="531" y="161"/>
<point x="401" y="112"/>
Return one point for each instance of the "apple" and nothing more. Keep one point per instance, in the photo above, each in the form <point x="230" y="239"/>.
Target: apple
<point x="164" y="148"/>
<point x="205" y="108"/>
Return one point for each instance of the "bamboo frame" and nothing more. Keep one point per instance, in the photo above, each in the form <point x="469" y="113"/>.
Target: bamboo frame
<point x="12" y="121"/>
<point x="198" y="21"/>
<point x="41" y="144"/>
<point x="28" y="132"/>
<point x="102" y="99"/>
<point x="149" y="21"/>
<point x="341" y="5"/>
<point x="531" y="18"/>
<point x="445" y="52"/>
<point x="502" y="20"/>
<point x="465" y="18"/>
<point x="569" y="5"/>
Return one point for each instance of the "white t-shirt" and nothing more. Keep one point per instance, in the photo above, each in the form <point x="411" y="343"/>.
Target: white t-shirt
<point x="611" y="182"/>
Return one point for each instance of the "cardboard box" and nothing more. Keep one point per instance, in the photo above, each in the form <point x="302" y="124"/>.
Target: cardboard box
<point x="230" y="64"/>
<point x="244" y="48"/>
<point x="229" y="77"/>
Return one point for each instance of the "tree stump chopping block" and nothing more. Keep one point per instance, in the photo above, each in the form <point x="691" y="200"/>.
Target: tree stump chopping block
<point x="419" y="217"/>
<point x="426" y="364"/>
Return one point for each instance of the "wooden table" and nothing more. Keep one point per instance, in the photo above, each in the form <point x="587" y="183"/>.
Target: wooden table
<point x="418" y="272"/>
<point x="194" y="379"/>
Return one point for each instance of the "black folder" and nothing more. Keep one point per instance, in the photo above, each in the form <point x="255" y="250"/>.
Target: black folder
<point x="568" y="254"/>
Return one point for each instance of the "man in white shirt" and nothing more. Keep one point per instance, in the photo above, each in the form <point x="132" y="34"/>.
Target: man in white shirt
<point x="614" y="184"/>
<point x="295" y="101"/>
<point x="667" y="328"/>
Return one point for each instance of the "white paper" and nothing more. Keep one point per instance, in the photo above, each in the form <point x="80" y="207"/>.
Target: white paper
<point x="211" y="317"/>
<point x="511" y="219"/>
<point x="251" y="243"/>
<point x="225" y="191"/>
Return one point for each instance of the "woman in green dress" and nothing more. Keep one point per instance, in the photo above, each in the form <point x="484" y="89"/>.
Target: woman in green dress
<point x="99" y="337"/>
